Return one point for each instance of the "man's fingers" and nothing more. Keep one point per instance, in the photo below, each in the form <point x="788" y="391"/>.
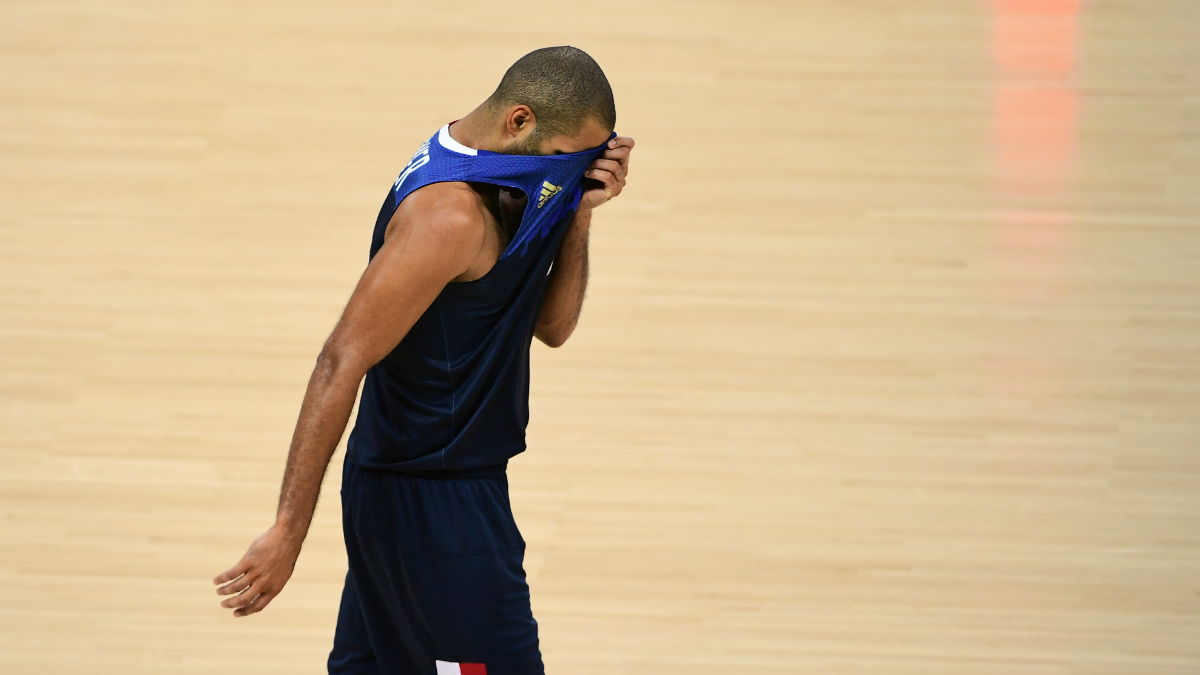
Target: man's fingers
<point x="236" y="586"/>
<point x="612" y="167"/>
<point x="605" y="176"/>
<point x="245" y="597"/>
<point x="621" y="142"/>
<point x="607" y="182"/>
<point x="610" y="180"/>
<point x="608" y="165"/>
<point x="255" y="605"/>
<point x="231" y="573"/>
<point x="247" y="608"/>
<point x="618" y="155"/>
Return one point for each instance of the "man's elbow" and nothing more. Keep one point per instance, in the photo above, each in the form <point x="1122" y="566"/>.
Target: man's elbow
<point x="554" y="336"/>
<point x="338" y="360"/>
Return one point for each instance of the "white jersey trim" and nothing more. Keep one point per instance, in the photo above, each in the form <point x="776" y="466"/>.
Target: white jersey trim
<point x="447" y="141"/>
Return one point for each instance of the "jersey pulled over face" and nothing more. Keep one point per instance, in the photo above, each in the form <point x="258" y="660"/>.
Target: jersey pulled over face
<point x="590" y="135"/>
<point x="453" y="396"/>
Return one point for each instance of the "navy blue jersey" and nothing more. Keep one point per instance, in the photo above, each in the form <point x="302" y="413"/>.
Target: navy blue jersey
<point x="453" y="396"/>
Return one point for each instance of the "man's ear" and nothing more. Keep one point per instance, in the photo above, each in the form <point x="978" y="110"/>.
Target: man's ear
<point x="519" y="120"/>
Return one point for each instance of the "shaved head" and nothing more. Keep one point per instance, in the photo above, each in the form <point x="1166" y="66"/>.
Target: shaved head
<point x="563" y="86"/>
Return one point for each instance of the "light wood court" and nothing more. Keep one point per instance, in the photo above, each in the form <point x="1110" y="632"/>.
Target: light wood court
<point x="890" y="362"/>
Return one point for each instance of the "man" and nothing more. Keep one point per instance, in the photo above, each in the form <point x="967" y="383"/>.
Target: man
<point x="480" y="245"/>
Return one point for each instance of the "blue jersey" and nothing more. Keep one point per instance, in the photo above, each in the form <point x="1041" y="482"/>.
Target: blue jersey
<point x="453" y="396"/>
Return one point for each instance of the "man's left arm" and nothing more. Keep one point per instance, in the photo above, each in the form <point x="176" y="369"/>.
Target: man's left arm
<point x="568" y="278"/>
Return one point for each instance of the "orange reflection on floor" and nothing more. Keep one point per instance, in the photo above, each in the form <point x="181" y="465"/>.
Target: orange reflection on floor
<point x="1035" y="38"/>
<point x="1035" y="122"/>
<point x="1034" y="142"/>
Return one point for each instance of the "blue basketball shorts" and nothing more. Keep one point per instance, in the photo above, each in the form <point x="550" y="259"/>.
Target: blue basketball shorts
<point x="435" y="576"/>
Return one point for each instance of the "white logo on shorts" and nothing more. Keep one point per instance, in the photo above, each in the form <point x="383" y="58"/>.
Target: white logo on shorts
<point x="451" y="668"/>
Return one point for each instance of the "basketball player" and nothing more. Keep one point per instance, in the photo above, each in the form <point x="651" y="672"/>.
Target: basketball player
<point x="481" y="245"/>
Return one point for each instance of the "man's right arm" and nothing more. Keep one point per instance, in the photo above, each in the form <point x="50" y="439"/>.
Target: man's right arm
<point x="433" y="238"/>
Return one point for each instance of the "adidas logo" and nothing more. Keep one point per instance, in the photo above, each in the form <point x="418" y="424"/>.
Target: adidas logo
<point x="548" y="191"/>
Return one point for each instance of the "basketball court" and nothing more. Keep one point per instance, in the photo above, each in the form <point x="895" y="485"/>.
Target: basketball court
<point x="890" y="362"/>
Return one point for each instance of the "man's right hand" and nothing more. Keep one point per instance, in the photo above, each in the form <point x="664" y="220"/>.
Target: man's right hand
<point x="261" y="573"/>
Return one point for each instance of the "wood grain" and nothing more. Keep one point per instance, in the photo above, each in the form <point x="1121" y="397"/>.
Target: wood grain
<point x="889" y="364"/>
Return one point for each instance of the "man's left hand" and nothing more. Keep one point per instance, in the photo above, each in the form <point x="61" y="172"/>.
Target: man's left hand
<point x="609" y="171"/>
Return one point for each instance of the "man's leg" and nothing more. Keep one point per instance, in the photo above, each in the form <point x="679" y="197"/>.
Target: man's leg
<point x="477" y="605"/>
<point x="437" y="565"/>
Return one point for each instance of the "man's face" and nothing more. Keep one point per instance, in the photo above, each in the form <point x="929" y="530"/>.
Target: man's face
<point x="590" y="135"/>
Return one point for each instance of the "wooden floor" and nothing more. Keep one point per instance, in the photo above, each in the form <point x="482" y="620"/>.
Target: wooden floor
<point x="890" y="363"/>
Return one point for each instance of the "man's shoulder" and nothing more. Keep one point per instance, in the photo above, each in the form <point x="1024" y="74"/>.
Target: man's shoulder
<point x="447" y="199"/>
<point x="452" y="207"/>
